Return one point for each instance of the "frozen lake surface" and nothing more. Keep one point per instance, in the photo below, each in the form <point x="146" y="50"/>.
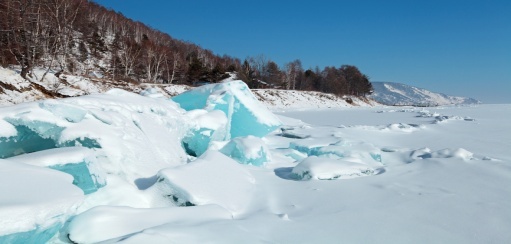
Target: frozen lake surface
<point x="359" y="175"/>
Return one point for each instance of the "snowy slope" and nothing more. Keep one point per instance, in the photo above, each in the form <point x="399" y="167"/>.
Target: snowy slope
<point x="390" y="93"/>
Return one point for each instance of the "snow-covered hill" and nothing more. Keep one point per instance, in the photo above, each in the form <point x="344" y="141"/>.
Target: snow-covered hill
<point x="390" y="93"/>
<point x="299" y="100"/>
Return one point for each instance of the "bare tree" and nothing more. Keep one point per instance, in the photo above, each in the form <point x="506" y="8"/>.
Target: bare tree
<point x="128" y="54"/>
<point x="293" y="70"/>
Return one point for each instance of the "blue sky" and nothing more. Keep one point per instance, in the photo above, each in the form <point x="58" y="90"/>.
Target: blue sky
<point x="458" y="47"/>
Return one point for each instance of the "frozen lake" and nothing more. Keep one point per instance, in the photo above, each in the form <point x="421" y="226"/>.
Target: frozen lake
<point x="359" y="175"/>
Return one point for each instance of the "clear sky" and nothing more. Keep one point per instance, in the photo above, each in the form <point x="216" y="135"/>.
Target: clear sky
<point x="458" y="47"/>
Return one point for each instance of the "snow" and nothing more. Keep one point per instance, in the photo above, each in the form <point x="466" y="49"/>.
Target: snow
<point x="349" y="174"/>
<point x="8" y="130"/>
<point x="245" y="115"/>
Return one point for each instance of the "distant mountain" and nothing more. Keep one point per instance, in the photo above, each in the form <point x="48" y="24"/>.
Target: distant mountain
<point x="391" y="93"/>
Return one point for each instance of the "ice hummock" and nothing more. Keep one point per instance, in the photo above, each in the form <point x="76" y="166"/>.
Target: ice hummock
<point x="36" y="203"/>
<point x="333" y="147"/>
<point x="330" y="169"/>
<point x="425" y="153"/>
<point x="247" y="150"/>
<point x="245" y="115"/>
<point x="139" y="135"/>
<point x="80" y="162"/>
<point x="211" y="179"/>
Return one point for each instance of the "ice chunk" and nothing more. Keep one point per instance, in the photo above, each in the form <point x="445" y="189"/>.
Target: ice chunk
<point x="196" y="142"/>
<point x="335" y="148"/>
<point x="81" y="163"/>
<point x="329" y="169"/>
<point x="291" y="153"/>
<point x="247" y="150"/>
<point x="293" y="134"/>
<point x="212" y="179"/>
<point x="24" y="141"/>
<point x="359" y="151"/>
<point x="106" y="223"/>
<point x="209" y="126"/>
<point x="312" y="146"/>
<point x="34" y="202"/>
<point x="46" y="130"/>
<point x="246" y="116"/>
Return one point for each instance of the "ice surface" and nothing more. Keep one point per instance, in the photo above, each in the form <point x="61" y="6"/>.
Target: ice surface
<point x="80" y="162"/>
<point x="212" y="179"/>
<point x="35" y="201"/>
<point x="247" y="150"/>
<point x="246" y="116"/>
<point x="329" y="169"/>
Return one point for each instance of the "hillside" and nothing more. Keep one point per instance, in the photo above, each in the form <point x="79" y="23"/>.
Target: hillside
<point x="14" y="90"/>
<point x="83" y="38"/>
<point x="391" y="93"/>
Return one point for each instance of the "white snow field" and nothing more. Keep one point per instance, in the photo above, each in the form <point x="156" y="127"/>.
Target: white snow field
<point x="121" y="167"/>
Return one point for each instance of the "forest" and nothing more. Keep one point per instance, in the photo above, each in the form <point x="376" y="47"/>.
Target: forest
<point x="81" y="37"/>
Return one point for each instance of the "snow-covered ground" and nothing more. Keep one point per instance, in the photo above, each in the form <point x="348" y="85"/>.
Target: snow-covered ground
<point x="221" y="168"/>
